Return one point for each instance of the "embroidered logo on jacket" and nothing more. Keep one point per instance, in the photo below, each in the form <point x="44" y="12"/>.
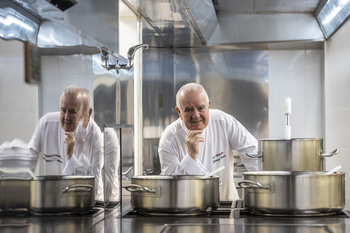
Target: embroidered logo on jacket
<point x="218" y="157"/>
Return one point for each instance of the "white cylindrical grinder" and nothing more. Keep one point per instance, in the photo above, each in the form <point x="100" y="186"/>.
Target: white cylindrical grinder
<point x="288" y="112"/>
<point x="288" y="106"/>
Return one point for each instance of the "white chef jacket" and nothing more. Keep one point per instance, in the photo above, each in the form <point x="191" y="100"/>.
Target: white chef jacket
<point x="87" y="158"/>
<point x="223" y="135"/>
<point x="111" y="165"/>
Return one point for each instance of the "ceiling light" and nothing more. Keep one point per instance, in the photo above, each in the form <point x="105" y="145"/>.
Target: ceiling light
<point x="332" y="15"/>
<point x="14" y="25"/>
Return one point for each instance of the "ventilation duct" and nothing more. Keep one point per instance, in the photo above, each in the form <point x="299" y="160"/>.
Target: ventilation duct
<point x="62" y="27"/>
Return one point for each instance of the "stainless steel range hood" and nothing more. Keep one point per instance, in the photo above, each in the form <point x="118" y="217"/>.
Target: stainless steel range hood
<point x="178" y="23"/>
<point x="81" y="28"/>
<point x="191" y="23"/>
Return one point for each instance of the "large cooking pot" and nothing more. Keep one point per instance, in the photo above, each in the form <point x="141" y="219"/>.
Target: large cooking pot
<point x="296" y="154"/>
<point x="182" y="195"/>
<point x="14" y="194"/>
<point x="15" y="189"/>
<point x="62" y="193"/>
<point x="293" y="193"/>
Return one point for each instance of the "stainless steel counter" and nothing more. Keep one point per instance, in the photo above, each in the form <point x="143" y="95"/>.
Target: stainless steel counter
<point x="228" y="223"/>
<point x="111" y="221"/>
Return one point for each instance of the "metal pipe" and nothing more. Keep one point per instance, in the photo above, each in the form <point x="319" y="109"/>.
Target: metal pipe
<point x="138" y="113"/>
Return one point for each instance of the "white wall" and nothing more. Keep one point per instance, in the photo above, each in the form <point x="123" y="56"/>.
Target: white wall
<point x="59" y="72"/>
<point x="127" y="31"/>
<point x="337" y="100"/>
<point x="296" y="74"/>
<point x="18" y="100"/>
<point x="20" y="105"/>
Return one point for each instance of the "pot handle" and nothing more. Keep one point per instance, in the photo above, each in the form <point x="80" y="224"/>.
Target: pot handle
<point x="139" y="188"/>
<point x="336" y="151"/>
<point x="254" y="156"/>
<point x="252" y="185"/>
<point x="78" y="188"/>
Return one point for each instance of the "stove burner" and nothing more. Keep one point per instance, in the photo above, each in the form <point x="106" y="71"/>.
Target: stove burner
<point x="26" y="213"/>
<point x="15" y="212"/>
<point x="224" y="210"/>
<point x="93" y="211"/>
<point x="245" y="213"/>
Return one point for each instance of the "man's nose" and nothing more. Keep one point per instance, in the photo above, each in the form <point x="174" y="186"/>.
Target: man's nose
<point x="195" y="113"/>
<point x="66" y="115"/>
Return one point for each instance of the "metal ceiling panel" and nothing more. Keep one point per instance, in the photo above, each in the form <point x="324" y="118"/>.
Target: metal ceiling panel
<point x="187" y="23"/>
<point x="87" y="23"/>
<point x="98" y="20"/>
<point x="181" y="23"/>
<point x="256" y="28"/>
<point x="169" y="20"/>
<point x="266" y="6"/>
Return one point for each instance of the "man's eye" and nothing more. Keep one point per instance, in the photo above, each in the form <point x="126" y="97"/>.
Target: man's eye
<point x="187" y="110"/>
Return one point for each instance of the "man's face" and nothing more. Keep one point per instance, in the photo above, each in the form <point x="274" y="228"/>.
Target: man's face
<point x="194" y="110"/>
<point x="70" y="113"/>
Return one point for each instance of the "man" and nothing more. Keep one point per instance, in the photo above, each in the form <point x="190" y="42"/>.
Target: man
<point x="68" y="146"/>
<point x="202" y="140"/>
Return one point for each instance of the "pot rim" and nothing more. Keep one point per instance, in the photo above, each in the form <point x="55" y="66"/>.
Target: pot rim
<point x="292" y="139"/>
<point x="175" y="177"/>
<point x="291" y="173"/>
<point x="62" y="177"/>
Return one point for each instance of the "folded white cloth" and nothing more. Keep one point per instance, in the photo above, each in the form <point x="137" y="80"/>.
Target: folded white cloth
<point x="16" y="147"/>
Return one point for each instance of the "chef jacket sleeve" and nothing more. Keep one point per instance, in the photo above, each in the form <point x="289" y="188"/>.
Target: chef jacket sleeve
<point x="174" y="163"/>
<point x="111" y="165"/>
<point x="35" y="142"/>
<point x="96" y="161"/>
<point x="45" y="147"/>
<point x="243" y="142"/>
<point x="89" y="164"/>
<point x="73" y="165"/>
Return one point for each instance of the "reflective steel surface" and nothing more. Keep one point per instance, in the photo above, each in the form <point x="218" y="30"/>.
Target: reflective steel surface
<point x="176" y="24"/>
<point x="225" y="221"/>
<point x="189" y="23"/>
<point x="235" y="80"/>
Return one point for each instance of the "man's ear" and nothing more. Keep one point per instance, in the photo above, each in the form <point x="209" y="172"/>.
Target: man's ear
<point x="90" y="112"/>
<point x="178" y="111"/>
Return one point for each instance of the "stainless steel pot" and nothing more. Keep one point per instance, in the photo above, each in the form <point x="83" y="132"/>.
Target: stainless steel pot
<point x="15" y="189"/>
<point x="14" y="194"/>
<point x="293" y="193"/>
<point x="62" y="193"/>
<point x="296" y="154"/>
<point x="182" y="195"/>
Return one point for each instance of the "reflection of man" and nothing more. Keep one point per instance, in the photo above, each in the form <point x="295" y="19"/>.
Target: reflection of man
<point x="92" y="141"/>
<point x="202" y="140"/>
<point x="66" y="146"/>
<point x="111" y="165"/>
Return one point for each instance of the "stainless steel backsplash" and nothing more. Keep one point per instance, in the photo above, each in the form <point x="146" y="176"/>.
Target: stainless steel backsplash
<point x="236" y="82"/>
